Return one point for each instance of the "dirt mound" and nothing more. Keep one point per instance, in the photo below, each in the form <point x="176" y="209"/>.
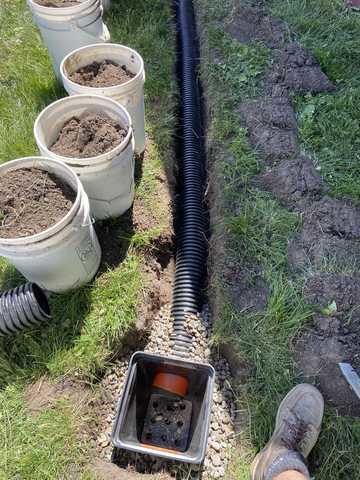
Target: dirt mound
<point x="294" y="182"/>
<point x="57" y="3"/>
<point x="43" y="394"/>
<point x="271" y="126"/>
<point x="330" y="234"/>
<point x="104" y="74"/>
<point x="32" y="200"/>
<point x="314" y="249"/>
<point x="88" y="136"/>
<point x="334" y="337"/>
<point x="344" y="290"/>
<point x="296" y="69"/>
<point x="251" y="23"/>
<point x="317" y="354"/>
<point x="104" y="470"/>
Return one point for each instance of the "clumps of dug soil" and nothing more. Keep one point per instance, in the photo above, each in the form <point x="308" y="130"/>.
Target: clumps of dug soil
<point x="334" y="337"/>
<point x="250" y="23"/>
<point x="295" y="69"/>
<point x="32" y="200"/>
<point x="58" y="3"/>
<point x="102" y="74"/>
<point x="271" y="126"/>
<point x="330" y="235"/>
<point x="88" y="136"/>
<point x="294" y="183"/>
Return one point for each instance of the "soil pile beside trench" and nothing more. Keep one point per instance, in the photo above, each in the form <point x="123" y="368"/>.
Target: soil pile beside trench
<point x="88" y="136"/>
<point x="104" y="74"/>
<point x="32" y="200"/>
<point x="330" y="233"/>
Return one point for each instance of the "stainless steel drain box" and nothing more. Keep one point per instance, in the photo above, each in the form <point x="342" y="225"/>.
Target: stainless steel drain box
<point x="151" y="423"/>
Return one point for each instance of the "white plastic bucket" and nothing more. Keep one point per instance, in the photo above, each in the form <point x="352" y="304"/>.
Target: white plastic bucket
<point x="108" y="179"/>
<point x="130" y="94"/>
<point x="66" y="255"/>
<point x="64" y="29"/>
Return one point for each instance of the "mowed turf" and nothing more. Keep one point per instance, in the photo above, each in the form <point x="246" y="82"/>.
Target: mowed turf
<point x="89" y="323"/>
<point x="253" y="229"/>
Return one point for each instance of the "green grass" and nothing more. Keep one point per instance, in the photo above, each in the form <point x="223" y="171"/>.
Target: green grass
<point x="88" y="324"/>
<point x="252" y="229"/>
<point x="329" y="123"/>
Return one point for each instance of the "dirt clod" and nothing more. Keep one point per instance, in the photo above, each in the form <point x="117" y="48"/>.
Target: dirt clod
<point x="102" y="74"/>
<point x="271" y="126"/>
<point x="344" y="290"/>
<point x="318" y="352"/>
<point x="331" y="233"/>
<point x="296" y="69"/>
<point x="32" y="200"/>
<point x="295" y="183"/>
<point x="250" y="23"/>
<point x="58" y="3"/>
<point x="88" y="136"/>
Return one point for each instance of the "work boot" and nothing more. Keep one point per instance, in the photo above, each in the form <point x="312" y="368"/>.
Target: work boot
<point x="297" y="429"/>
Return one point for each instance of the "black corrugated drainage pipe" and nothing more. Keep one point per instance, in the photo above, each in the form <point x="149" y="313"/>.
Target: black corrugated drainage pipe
<point x="191" y="240"/>
<point x="23" y="307"/>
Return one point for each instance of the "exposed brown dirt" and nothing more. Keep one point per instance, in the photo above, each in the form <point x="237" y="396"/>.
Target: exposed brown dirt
<point x="88" y="136"/>
<point x="331" y="227"/>
<point x="250" y="292"/>
<point x="104" y="74"/>
<point x="334" y="337"/>
<point x="43" y="394"/>
<point x="32" y="200"/>
<point x="271" y="126"/>
<point x="250" y="23"/>
<point x="103" y="470"/>
<point x="58" y="3"/>
<point x="295" y="69"/>
<point x="330" y="234"/>
<point x="295" y="183"/>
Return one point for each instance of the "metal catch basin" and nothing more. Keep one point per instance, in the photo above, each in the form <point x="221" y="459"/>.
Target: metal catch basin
<point x="156" y="422"/>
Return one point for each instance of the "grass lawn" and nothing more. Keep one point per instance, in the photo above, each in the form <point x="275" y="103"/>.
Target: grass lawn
<point x="89" y="323"/>
<point x="250" y="227"/>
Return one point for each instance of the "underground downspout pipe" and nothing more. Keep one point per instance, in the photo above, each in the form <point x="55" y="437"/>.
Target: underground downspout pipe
<point x="23" y="307"/>
<point x="191" y="240"/>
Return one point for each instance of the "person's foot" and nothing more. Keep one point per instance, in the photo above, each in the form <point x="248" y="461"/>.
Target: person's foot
<point x="297" y="430"/>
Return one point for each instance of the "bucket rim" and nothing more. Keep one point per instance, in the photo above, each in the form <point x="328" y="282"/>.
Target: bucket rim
<point x="38" y="162"/>
<point x="114" y="88"/>
<point x="98" y="159"/>
<point x="61" y="11"/>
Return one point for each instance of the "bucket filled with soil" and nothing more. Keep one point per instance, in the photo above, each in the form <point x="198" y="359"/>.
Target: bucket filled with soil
<point x="111" y="70"/>
<point x="92" y="135"/>
<point x="46" y="230"/>
<point x="68" y="24"/>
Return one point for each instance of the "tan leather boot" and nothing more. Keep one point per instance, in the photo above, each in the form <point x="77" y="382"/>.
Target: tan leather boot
<point x="297" y="429"/>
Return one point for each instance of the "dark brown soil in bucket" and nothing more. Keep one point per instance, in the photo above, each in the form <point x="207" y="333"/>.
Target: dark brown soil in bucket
<point x="104" y="74"/>
<point x="57" y="3"/>
<point x="32" y="200"/>
<point x="88" y="136"/>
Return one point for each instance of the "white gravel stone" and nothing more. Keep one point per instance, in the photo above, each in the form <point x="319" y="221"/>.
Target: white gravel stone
<point x="221" y="428"/>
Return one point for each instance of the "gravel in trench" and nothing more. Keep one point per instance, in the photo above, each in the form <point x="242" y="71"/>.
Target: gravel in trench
<point x="222" y="434"/>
